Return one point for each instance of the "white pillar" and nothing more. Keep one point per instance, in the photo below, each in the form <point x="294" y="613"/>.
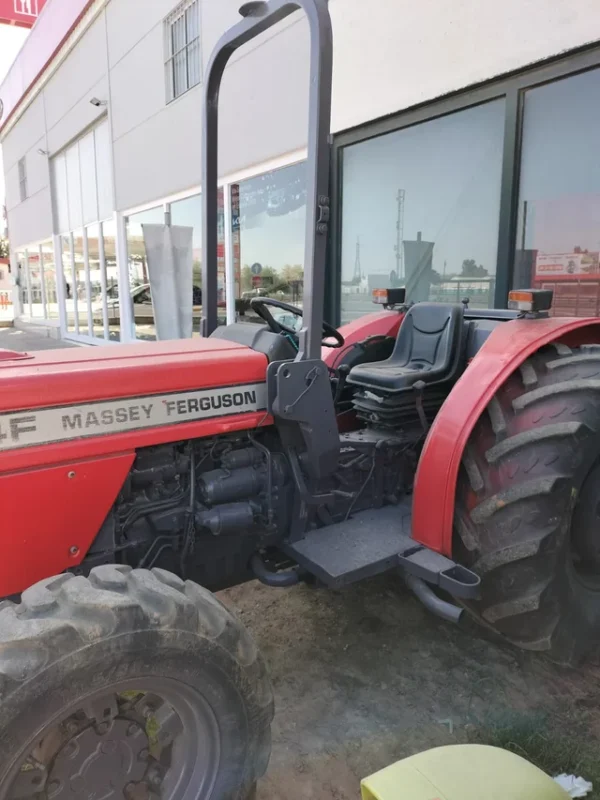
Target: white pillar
<point x="229" y="260"/>
<point x="125" y="304"/>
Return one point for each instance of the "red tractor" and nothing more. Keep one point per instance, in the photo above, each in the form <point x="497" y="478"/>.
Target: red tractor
<point x="459" y="448"/>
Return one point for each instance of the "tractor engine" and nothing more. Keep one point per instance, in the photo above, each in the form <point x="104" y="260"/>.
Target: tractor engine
<point x="199" y="508"/>
<point x="202" y="508"/>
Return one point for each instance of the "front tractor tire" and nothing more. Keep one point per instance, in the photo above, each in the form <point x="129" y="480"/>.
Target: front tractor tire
<point x="527" y="514"/>
<point x="129" y="684"/>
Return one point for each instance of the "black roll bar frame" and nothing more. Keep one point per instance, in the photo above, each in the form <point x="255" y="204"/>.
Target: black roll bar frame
<point x="258" y="17"/>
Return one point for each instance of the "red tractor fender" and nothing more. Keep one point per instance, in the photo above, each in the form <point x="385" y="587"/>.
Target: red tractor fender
<point x="378" y="323"/>
<point x="508" y="346"/>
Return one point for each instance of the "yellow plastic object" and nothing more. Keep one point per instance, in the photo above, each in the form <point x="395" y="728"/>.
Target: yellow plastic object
<point x="462" y="772"/>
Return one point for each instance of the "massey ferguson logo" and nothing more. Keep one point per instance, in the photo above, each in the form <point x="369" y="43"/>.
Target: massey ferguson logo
<point x="48" y="425"/>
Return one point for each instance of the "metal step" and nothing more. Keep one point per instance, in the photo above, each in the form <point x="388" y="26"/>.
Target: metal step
<point x="366" y="544"/>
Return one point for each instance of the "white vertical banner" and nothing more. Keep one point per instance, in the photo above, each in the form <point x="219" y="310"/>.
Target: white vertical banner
<point x="169" y="253"/>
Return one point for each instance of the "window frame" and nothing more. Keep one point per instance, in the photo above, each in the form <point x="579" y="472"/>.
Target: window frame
<point x="23" y="253"/>
<point x="181" y="12"/>
<point x="511" y="87"/>
<point x="22" y="170"/>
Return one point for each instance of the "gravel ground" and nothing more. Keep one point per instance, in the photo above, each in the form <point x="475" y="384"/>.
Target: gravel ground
<point x="365" y="676"/>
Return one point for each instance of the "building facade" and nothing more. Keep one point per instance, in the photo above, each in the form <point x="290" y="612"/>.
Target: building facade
<point x="463" y="156"/>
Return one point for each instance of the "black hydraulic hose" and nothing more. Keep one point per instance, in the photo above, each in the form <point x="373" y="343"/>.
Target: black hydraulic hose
<point x="288" y="577"/>
<point x="190" y="527"/>
<point x="269" y="459"/>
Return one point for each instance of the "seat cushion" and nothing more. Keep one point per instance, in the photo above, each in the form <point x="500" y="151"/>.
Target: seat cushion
<point x="427" y="349"/>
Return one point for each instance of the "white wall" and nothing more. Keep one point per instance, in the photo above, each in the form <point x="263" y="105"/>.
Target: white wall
<point x="157" y="146"/>
<point x="389" y="55"/>
<point x="393" y="54"/>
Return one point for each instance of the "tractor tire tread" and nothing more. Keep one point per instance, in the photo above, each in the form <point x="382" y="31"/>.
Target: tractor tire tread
<point x="538" y="431"/>
<point x="60" y="616"/>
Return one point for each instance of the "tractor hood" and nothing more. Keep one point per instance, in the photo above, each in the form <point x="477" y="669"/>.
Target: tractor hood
<point x="87" y="374"/>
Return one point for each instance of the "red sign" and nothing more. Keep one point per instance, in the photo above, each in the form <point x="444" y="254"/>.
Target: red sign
<point x="22" y="13"/>
<point x="566" y="265"/>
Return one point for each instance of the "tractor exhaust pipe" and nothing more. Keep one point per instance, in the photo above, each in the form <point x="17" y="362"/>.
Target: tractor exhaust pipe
<point x="280" y="580"/>
<point x="430" y="600"/>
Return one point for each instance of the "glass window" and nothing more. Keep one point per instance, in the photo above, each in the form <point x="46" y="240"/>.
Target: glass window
<point x="138" y="268"/>
<point x="421" y="210"/>
<point x="80" y="283"/>
<point x="268" y="215"/>
<point x="558" y="233"/>
<point x="74" y="187"/>
<point x="103" y="170"/>
<point x="109" y="236"/>
<point x="70" y="292"/>
<point x="36" y="289"/>
<point x="96" y="276"/>
<point x="22" y="280"/>
<point x="22" y="167"/>
<point x="49" y="272"/>
<point x="182" y="45"/>
<point x="60" y="193"/>
<point x="89" y="195"/>
<point x="188" y="212"/>
<point x="82" y="181"/>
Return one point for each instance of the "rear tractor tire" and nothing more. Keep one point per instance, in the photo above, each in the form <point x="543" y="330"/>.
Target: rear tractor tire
<point x="528" y="505"/>
<point x="129" y="684"/>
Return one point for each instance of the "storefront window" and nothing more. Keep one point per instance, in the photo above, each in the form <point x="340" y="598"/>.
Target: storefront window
<point x="112" y="280"/>
<point x="139" y="281"/>
<point x="95" y="271"/>
<point x="268" y="226"/>
<point x="80" y="283"/>
<point x="421" y="210"/>
<point x="34" y="267"/>
<point x="22" y="280"/>
<point x="188" y="212"/>
<point x="49" y="273"/>
<point x="36" y="279"/>
<point x="70" y="290"/>
<point x="558" y="235"/>
<point x="82" y="194"/>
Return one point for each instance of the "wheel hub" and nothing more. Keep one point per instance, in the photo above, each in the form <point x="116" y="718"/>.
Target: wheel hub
<point x="100" y="761"/>
<point x="116" y="746"/>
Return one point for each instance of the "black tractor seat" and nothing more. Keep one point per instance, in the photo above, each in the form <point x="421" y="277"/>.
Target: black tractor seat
<point x="428" y="349"/>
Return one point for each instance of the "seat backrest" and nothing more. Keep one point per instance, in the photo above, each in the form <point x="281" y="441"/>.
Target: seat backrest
<point x="429" y="337"/>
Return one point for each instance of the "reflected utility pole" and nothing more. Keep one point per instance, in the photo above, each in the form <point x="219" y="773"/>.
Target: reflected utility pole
<point x="398" y="247"/>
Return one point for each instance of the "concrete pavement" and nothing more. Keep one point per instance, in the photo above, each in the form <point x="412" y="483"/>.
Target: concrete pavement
<point x="27" y="341"/>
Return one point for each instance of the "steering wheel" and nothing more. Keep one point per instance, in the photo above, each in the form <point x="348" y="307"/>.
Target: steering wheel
<point x="259" y="304"/>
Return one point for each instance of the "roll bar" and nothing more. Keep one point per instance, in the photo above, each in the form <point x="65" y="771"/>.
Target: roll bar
<point x="258" y="17"/>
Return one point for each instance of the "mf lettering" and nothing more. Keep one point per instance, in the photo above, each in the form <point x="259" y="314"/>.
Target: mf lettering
<point x="15" y="427"/>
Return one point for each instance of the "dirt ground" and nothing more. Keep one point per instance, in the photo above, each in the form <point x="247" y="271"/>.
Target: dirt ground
<point x="365" y="676"/>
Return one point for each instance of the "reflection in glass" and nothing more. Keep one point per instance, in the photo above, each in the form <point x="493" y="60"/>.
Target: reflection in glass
<point x="139" y="283"/>
<point x="421" y="210"/>
<point x="49" y="272"/>
<point x="109" y="234"/>
<point x="80" y="283"/>
<point x="268" y="216"/>
<point x="70" y="293"/>
<point x="22" y="282"/>
<point x="188" y="213"/>
<point x="35" y="283"/>
<point x="93" y="237"/>
<point x="558" y="235"/>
